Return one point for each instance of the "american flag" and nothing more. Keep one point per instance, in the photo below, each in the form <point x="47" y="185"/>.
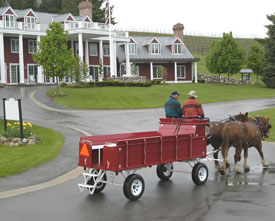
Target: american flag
<point x="107" y="12"/>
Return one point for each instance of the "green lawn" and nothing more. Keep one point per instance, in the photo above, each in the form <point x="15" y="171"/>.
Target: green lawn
<point x="270" y="112"/>
<point x="18" y="159"/>
<point x="155" y="96"/>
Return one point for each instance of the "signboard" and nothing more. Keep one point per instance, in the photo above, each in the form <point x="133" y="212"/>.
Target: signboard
<point x="12" y="109"/>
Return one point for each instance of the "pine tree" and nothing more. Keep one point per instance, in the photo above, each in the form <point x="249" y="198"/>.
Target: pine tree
<point x="23" y="4"/>
<point x="2" y="3"/>
<point x="269" y="69"/>
<point x="50" y="6"/>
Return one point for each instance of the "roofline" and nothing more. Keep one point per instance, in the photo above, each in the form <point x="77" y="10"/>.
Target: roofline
<point x="12" y="11"/>
<point x="163" y="60"/>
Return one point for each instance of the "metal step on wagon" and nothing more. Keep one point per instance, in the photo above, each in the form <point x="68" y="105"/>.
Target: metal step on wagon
<point x="178" y="140"/>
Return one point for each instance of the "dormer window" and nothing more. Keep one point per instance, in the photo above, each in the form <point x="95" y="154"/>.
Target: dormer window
<point x="87" y="24"/>
<point x="70" y="24"/>
<point x="30" y="22"/>
<point x="155" y="48"/>
<point x="9" y="21"/>
<point x="132" y="48"/>
<point x="177" y="49"/>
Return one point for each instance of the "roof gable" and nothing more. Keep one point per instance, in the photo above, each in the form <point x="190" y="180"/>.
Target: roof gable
<point x="150" y="41"/>
<point x="9" y="11"/>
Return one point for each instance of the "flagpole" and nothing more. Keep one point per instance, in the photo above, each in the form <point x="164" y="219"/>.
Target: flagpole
<point x="110" y="42"/>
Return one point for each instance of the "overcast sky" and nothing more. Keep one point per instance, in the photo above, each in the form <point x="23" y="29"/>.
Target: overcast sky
<point x="245" y="18"/>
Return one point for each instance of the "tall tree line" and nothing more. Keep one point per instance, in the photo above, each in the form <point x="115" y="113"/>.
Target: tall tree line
<point x="60" y="7"/>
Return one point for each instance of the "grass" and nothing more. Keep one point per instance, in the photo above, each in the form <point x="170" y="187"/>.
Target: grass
<point x="155" y="96"/>
<point x="270" y="112"/>
<point x="15" y="160"/>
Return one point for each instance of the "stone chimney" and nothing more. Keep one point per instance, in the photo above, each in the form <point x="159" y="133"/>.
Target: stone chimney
<point x="178" y="30"/>
<point x="85" y="8"/>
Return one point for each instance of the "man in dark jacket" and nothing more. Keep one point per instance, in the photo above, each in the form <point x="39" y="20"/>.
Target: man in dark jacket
<point x="172" y="106"/>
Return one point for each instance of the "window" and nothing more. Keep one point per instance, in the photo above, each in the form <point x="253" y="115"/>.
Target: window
<point x="14" y="73"/>
<point x="181" y="71"/>
<point x="132" y="48"/>
<point x="9" y="21"/>
<point x="134" y="69"/>
<point x="94" y="72"/>
<point x="177" y="49"/>
<point x="93" y="49"/>
<point x="154" y="48"/>
<point x="156" y="72"/>
<point x="106" y="50"/>
<point x="106" y="71"/>
<point x="30" y="22"/>
<point x="87" y="25"/>
<point x="70" y="24"/>
<point x="14" y="46"/>
<point x="32" y="46"/>
<point x="76" y="48"/>
<point x="32" y="73"/>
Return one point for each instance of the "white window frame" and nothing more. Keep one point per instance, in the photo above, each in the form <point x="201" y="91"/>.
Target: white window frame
<point x="17" y="73"/>
<point x="9" y="23"/>
<point x="94" y="68"/>
<point x="32" y="45"/>
<point x="177" y="48"/>
<point x="30" y="22"/>
<point x="132" y="48"/>
<point x="155" y="67"/>
<point x="34" y="69"/>
<point x="181" y="75"/>
<point x="16" y="44"/>
<point x="155" y="48"/>
<point x="106" y="50"/>
<point x="93" y="44"/>
<point x="108" y="68"/>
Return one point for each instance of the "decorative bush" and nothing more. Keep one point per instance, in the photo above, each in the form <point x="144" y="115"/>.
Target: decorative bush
<point x="13" y="130"/>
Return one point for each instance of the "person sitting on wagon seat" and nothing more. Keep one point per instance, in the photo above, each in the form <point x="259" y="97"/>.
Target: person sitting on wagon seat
<point x="192" y="108"/>
<point x="172" y="106"/>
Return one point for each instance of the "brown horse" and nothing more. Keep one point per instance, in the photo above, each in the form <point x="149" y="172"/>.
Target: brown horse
<point x="215" y="130"/>
<point x="242" y="136"/>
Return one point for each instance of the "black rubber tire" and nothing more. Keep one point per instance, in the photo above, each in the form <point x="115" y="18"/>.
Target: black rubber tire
<point x="100" y="186"/>
<point x="200" y="174"/>
<point x="133" y="187"/>
<point x="162" y="172"/>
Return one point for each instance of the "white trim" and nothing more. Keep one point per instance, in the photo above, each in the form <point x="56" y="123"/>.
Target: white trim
<point x="11" y="10"/>
<point x="90" y="47"/>
<point x="16" y="39"/>
<point x="87" y="57"/>
<point x="2" y="60"/>
<point x="21" y="59"/>
<point x="74" y="20"/>
<point x="80" y="46"/>
<point x="184" y="67"/>
<point x="28" y="75"/>
<point x="13" y="64"/>
<point x="175" y="72"/>
<point x="13" y="23"/>
<point x="151" y="70"/>
<point x="196" y="73"/>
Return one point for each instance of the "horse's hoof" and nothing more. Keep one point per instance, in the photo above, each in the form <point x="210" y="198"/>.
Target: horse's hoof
<point x="238" y="172"/>
<point x="227" y="165"/>
<point x="222" y="172"/>
<point x="265" y="166"/>
<point x="246" y="170"/>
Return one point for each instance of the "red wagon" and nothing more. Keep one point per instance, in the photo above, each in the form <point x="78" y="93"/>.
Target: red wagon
<point x="177" y="140"/>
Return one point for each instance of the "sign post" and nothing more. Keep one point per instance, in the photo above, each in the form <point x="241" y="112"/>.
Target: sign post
<point x="13" y="111"/>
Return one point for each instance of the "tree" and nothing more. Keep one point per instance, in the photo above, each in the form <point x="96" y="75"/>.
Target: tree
<point x="269" y="68"/>
<point x="255" y="59"/>
<point x="79" y="70"/>
<point x="98" y="12"/>
<point x="53" y="54"/>
<point x="226" y="57"/>
<point x="2" y="3"/>
<point x="70" y="6"/>
<point x="23" y="4"/>
<point x="51" y="6"/>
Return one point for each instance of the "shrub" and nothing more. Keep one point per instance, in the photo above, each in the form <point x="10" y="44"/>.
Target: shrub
<point x="63" y="84"/>
<point x="13" y="130"/>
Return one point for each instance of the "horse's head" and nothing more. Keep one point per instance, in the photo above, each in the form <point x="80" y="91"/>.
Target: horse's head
<point x="264" y="124"/>
<point x="242" y="117"/>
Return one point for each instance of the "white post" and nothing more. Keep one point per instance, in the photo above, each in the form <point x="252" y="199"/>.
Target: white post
<point x="128" y="67"/>
<point x="114" y="60"/>
<point x="151" y="71"/>
<point x="196" y="73"/>
<point x="21" y="60"/>
<point x="40" y="77"/>
<point x="87" y="52"/>
<point x="176" y="75"/>
<point x="80" y="46"/>
<point x="2" y="59"/>
<point x="101" y="51"/>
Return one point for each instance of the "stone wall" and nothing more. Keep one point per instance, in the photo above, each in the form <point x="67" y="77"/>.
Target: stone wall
<point x="222" y="79"/>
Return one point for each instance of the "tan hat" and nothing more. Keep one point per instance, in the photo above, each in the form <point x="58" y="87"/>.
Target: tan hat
<point x="192" y="94"/>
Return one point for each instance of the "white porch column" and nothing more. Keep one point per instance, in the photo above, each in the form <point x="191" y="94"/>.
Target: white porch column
<point x="196" y="73"/>
<point x="40" y="75"/>
<point x="101" y="51"/>
<point x="114" y="60"/>
<point x="87" y="52"/>
<point x="80" y="46"/>
<point x="21" y="59"/>
<point x="175" y="72"/>
<point x="151" y="71"/>
<point x="2" y="60"/>
<point x="128" y="67"/>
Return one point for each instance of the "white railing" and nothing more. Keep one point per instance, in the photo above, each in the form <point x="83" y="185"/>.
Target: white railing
<point x="24" y="26"/>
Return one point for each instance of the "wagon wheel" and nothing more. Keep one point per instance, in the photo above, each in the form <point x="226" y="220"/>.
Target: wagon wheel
<point x="199" y="173"/>
<point x="100" y="186"/>
<point x="133" y="187"/>
<point x="165" y="171"/>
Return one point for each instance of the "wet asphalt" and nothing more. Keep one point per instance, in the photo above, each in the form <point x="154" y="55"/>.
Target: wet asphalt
<point x="247" y="196"/>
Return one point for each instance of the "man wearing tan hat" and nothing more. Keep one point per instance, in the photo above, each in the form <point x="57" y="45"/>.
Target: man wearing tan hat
<point x="192" y="108"/>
